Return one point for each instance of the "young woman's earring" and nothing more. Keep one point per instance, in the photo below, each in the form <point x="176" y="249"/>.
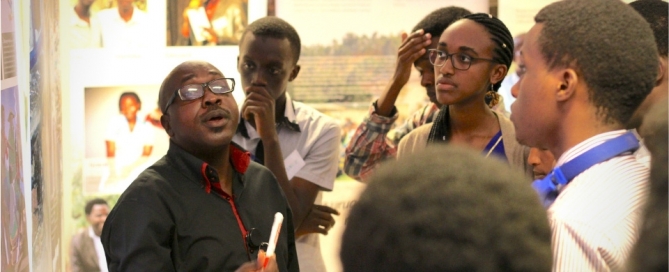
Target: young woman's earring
<point x="491" y="97"/>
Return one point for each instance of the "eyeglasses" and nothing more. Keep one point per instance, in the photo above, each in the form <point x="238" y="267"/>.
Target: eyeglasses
<point x="459" y="61"/>
<point x="195" y="91"/>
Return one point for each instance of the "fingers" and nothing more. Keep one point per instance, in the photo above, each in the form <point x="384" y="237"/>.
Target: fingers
<point x="414" y="46"/>
<point x="258" y="104"/>
<point x="248" y="267"/>
<point x="326" y="209"/>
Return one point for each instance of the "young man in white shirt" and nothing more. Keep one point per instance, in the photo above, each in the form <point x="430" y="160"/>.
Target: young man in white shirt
<point x="296" y="142"/>
<point x="589" y="64"/>
<point x="123" y="27"/>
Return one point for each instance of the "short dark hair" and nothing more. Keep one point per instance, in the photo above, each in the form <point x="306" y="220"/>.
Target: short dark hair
<point x="650" y="252"/>
<point x="447" y="209"/>
<point x="96" y="201"/>
<point x="501" y="37"/>
<point x="655" y="12"/>
<point x="275" y="27"/>
<point x="438" y="20"/>
<point x="609" y="45"/>
<point x="128" y="94"/>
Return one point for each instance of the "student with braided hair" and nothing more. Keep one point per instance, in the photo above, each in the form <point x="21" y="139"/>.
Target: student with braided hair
<point x="470" y="62"/>
<point x="370" y="145"/>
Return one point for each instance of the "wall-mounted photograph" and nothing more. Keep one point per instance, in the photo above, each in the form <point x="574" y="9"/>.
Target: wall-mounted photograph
<point x="13" y="223"/>
<point x="123" y="136"/>
<point x="206" y="22"/>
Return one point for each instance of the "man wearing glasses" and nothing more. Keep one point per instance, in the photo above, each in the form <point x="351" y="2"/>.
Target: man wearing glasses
<point x="205" y="206"/>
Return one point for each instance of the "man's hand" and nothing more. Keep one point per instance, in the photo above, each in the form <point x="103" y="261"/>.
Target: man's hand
<point x="258" y="265"/>
<point x="413" y="47"/>
<point x="258" y="109"/>
<point x="319" y="220"/>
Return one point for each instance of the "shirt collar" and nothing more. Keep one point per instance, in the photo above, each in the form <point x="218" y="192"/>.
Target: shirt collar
<point x="288" y="120"/>
<point x="194" y="167"/>
<point x="91" y="233"/>
<point x="76" y="21"/>
<point x="588" y="144"/>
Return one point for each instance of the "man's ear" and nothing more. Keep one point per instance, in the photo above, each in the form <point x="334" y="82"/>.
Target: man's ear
<point x="662" y="71"/>
<point x="294" y="72"/>
<point x="568" y="80"/>
<point x="498" y="73"/>
<point x="165" y="122"/>
<point x="237" y="63"/>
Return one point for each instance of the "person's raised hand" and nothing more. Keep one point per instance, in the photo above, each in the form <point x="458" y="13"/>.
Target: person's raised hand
<point x="413" y="46"/>
<point x="258" y="109"/>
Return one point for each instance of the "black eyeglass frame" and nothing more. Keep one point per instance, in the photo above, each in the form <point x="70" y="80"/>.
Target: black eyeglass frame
<point x="204" y="87"/>
<point x="450" y="56"/>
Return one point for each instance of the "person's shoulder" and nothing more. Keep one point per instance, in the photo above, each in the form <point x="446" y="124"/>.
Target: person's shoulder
<point x="309" y="113"/>
<point x="258" y="173"/>
<point x="415" y="140"/>
<point x="423" y="130"/>
<point x="153" y="182"/>
<point x="79" y="235"/>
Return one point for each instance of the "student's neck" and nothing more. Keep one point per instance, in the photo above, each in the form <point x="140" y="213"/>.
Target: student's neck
<point x="576" y="127"/>
<point x="280" y="108"/>
<point x="470" y="118"/>
<point x="126" y="14"/>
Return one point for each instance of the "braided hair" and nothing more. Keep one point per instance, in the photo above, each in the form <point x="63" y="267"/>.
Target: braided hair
<point x="501" y="37"/>
<point x="502" y="54"/>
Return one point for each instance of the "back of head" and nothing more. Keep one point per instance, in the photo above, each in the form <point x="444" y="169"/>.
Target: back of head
<point x="447" y="209"/>
<point x="651" y="250"/>
<point x="609" y="45"/>
<point x="501" y="37"/>
<point x="438" y="20"/>
<point x="655" y="12"/>
<point x="275" y="27"/>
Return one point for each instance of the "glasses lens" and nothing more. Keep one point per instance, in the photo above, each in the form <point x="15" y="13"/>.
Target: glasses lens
<point x="461" y="61"/>
<point x="190" y="92"/>
<point x="221" y="86"/>
<point x="434" y="54"/>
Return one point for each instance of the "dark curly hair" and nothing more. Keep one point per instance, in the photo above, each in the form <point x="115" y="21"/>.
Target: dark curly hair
<point x="275" y="27"/>
<point x="501" y="37"/>
<point x="447" y="208"/>
<point x="610" y="46"/>
<point x="438" y="20"/>
<point x="655" y="12"/>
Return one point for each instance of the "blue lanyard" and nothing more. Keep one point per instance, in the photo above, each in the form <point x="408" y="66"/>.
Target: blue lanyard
<point x="547" y="187"/>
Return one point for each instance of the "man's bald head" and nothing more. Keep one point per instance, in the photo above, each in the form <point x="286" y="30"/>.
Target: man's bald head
<point x="177" y="76"/>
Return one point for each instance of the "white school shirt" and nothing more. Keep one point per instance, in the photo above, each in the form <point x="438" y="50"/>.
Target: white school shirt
<point x="99" y="250"/>
<point x="595" y="218"/>
<point x="317" y="143"/>
<point x="109" y="30"/>
<point x="80" y="31"/>
<point x="129" y="144"/>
